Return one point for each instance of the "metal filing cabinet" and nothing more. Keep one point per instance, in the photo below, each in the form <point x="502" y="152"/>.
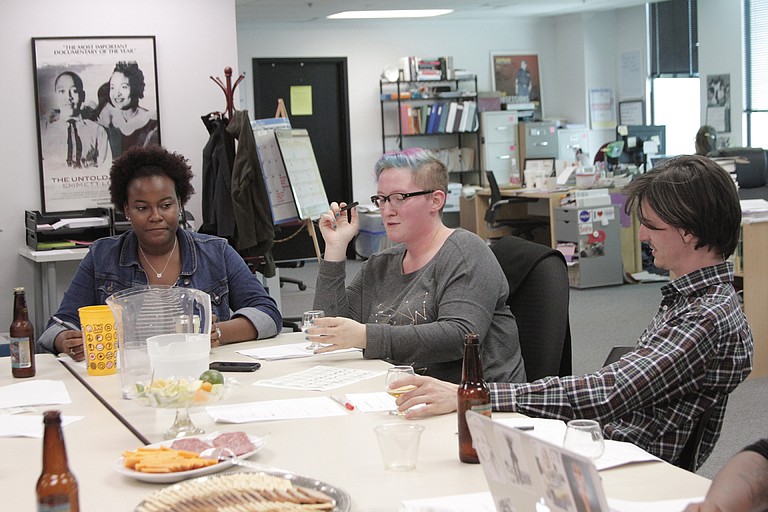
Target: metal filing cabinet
<point x="569" y="140"/>
<point x="595" y="231"/>
<point x="537" y="140"/>
<point x="498" y="142"/>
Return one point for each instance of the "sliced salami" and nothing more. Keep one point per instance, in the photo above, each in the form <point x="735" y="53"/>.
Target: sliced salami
<point x="238" y="442"/>
<point x="191" y="444"/>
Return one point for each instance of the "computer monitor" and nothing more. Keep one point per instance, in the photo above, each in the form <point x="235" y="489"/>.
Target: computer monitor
<point x="636" y="136"/>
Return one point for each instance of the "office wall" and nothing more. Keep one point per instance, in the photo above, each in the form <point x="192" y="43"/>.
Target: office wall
<point x="576" y="52"/>
<point x="721" y="52"/>
<point x="195" y="39"/>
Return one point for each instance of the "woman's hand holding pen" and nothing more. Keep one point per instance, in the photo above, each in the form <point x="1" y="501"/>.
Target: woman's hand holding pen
<point x="337" y="230"/>
<point x="70" y="342"/>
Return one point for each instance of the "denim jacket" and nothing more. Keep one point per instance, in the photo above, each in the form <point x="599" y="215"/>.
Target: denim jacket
<point x="208" y="263"/>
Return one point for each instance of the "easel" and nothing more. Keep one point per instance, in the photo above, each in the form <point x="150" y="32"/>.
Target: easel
<point x="281" y="113"/>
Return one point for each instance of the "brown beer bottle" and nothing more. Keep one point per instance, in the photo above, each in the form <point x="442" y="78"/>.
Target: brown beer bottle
<point x="57" y="486"/>
<point x="22" y="338"/>
<point x="474" y="395"/>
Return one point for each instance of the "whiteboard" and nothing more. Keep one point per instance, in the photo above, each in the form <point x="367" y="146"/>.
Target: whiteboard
<point x="278" y="186"/>
<point x="303" y="173"/>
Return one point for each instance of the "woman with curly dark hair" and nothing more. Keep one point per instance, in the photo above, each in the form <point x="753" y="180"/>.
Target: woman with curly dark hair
<point x="127" y="123"/>
<point x="151" y="185"/>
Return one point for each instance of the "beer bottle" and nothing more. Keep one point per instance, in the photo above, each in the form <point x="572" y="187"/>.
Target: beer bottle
<point x="22" y="338"/>
<point x="57" y="486"/>
<point x="474" y="395"/>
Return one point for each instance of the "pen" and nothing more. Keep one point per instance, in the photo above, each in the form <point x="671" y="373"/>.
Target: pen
<point x="349" y="206"/>
<point x="524" y="427"/>
<point x="65" y="324"/>
<point x="344" y="403"/>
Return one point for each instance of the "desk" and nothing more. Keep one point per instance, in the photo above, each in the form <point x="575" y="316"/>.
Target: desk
<point x="46" y="288"/>
<point x="341" y="450"/>
<point x="473" y="219"/>
<point x="755" y="274"/>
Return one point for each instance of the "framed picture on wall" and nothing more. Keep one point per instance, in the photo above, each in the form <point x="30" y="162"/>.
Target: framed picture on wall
<point x="516" y="75"/>
<point x="96" y="97"/>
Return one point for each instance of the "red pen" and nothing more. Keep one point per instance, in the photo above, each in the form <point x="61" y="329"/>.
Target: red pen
<point x="344" y="403"/>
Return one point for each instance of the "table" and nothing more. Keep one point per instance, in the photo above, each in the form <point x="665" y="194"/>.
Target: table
<point x="341" y="450"/>
<point x="46" y="287"/>
<point x="472" y="218"/>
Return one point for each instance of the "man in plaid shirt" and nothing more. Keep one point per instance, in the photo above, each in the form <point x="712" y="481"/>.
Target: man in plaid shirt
<point x="695" y="351"/>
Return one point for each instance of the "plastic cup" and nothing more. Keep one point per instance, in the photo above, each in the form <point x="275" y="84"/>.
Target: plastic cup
<point x="100" y="339"/>
<point x="530" y="178"/>
<point x="178" y="355"/>
<point x="399" y="445"/>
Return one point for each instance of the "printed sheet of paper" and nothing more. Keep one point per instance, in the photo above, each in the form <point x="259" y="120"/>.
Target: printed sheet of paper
<point x="271" y="410"/>
<point x="34" y="392"/>
<point x="29" y="426"/>
<point x="320" y="378"/>
<point x="372" y="402"/>
<point x="291" y="351"/>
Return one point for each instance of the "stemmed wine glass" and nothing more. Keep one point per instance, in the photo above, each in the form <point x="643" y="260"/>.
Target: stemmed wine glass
<point x="394" y="374"/>
<point x="584" y="437"/>
<point x="306" y="322"/>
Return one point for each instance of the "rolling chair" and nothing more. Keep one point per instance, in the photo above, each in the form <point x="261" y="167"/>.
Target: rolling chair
<point x="519" y="227"/>
<point x="538" y="297"/>
<point x="689" y="456"/>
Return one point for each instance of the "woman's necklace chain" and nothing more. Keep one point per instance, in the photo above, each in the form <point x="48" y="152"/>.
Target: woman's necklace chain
<point x="160" y="274"/>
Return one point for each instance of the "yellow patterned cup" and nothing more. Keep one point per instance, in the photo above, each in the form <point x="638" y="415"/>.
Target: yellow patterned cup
<point x="100" y="339"/>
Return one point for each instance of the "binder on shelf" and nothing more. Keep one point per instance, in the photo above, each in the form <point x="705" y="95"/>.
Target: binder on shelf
<point x="459" y="115"/>
<point x="443" y="118"/>
<point x="451" y="119"/>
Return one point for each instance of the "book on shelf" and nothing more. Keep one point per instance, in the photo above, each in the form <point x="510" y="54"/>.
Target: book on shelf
<point x="451" y="118"/>
<point x="442" y="124"/>
<point x="457" y="119"/>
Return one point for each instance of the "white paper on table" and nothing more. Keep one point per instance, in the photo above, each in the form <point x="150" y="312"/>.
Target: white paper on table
<point x="618" y="453"/>
<point x="656" y="506"/>
<point x="270" y="410"/>
<point x="551" y="431"/>
<point x="320" y="378"/>
<point x="29" y="426"/>
<point x="34" y="392"/>
<point x="372" y="402"/>
<point x="290" y="351"/>
<point x="476" y="502"/>
<point x="71" y="362"/>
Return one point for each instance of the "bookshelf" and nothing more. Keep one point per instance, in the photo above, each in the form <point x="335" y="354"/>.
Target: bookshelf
<point x="751" y="267"/>
<point x="434" y="114"/>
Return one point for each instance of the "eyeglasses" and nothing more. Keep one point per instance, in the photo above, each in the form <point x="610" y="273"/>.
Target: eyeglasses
<point x="398" y="198"/>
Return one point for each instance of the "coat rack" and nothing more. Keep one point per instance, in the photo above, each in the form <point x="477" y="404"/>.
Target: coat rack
<point x="229" y="89"/>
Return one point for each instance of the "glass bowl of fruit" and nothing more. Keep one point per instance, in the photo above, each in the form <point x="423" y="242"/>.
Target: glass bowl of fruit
<point x="181" y="393"/>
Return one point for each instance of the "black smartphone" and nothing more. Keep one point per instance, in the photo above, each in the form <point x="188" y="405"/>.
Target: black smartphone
<point x="235" y="366"/>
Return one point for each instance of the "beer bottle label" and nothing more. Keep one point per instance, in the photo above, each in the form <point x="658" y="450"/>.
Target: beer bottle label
<point x="55" y="503"/>
<point x="21" y="355"/>
<point x="484" y="409"/>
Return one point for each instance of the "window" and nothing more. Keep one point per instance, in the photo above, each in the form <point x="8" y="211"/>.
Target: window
<point x="674" y="70"/>
<point x="756" y="72"/>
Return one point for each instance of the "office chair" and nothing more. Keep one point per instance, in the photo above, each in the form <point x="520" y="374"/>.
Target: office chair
<point x="538" y="297"/>
<point x="519" y="227"/>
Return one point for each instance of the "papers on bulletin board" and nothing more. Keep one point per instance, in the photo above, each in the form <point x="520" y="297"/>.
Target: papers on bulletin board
<point x="320" y="378"/>
<point x="602" y="108"/>
<point x="275" y="176"/>
<point x="303" y="173"/>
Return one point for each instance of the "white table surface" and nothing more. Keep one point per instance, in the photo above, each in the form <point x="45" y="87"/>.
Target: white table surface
<point x="340" y="450"/>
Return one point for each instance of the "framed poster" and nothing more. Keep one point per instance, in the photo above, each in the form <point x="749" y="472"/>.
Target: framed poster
<point x="96" y="97"/>
<point x="517" y="75"/>
<point x="632" y="112"/>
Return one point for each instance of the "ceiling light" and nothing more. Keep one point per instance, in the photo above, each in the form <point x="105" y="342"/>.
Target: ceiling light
<point x="413" y="13"/>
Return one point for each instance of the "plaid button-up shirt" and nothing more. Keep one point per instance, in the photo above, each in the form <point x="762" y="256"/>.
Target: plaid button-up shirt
<point x="695" y="351"/>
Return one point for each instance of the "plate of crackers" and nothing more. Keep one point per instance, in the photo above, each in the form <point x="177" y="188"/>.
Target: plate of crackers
<point x="267" y="490"/>
<point x="179" y="459"/>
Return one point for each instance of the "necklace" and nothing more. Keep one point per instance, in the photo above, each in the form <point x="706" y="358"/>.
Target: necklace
<point x="160" y="274"/>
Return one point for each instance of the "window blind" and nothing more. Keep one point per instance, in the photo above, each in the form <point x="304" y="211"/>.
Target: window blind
<point x="756" y="24"/>
<point x="674" y="39"/>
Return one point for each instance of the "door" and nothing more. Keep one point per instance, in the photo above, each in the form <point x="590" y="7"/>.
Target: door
<point x="327" y="124"/>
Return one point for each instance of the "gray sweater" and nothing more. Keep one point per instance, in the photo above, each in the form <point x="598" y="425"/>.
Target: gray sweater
<point x="421" y="318"/>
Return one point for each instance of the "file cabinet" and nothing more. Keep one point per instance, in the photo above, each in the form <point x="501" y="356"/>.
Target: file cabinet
<point x="498" y="141"/>
<point x="537" y="139"/>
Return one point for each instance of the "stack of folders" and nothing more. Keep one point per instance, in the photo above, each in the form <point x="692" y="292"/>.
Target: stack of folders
<point x="437" y="118"/>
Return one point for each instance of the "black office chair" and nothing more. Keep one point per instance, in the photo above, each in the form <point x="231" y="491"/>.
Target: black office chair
<point x="538" y="297"/>
<point x="523" y="227"/>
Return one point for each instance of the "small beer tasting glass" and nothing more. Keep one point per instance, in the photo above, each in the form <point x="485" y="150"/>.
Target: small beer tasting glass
<point x="306" y="322"/>
<point x="394" y="374"/>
